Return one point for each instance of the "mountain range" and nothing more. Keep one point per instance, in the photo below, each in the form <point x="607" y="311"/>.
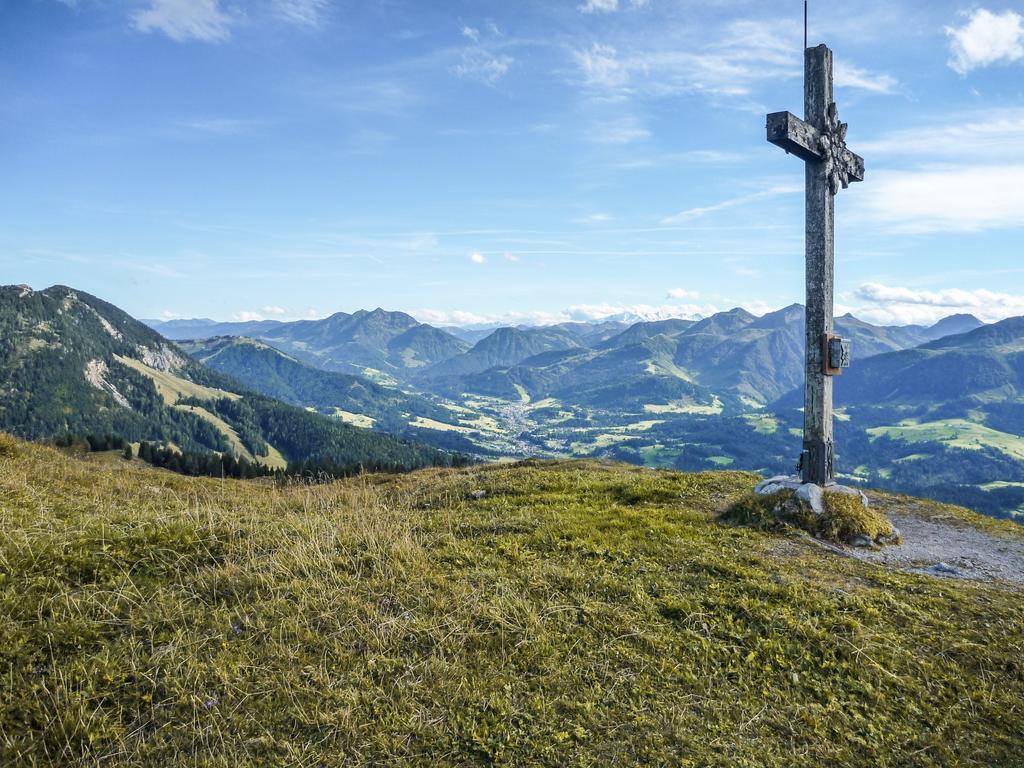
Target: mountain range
<point x="730" y="354"/>
<point x="73" y="364"/>
<point x="933" y="410"/>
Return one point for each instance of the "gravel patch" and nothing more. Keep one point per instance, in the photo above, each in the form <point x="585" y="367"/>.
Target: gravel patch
<point x="948" y="550"/>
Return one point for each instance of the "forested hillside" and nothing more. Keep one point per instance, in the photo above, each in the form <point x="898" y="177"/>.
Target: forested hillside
<point x="73" y="364"/>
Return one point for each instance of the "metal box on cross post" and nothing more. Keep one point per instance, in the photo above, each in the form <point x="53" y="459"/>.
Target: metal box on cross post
<point x="835" y="354"/>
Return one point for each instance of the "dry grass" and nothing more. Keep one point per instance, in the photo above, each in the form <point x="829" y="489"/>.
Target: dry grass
<point x="579" y="614"/>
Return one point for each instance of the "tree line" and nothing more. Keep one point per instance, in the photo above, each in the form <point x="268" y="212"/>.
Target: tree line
<point x="227" y="465"/>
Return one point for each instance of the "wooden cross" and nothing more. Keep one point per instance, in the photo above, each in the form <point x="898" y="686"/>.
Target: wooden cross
<point x="820" y="140"/>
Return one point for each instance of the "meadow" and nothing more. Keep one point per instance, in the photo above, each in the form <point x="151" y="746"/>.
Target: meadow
<point x="573" y="614"/>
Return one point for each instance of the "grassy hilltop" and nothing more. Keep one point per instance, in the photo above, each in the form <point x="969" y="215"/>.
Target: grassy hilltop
<point x="578" y="614"/>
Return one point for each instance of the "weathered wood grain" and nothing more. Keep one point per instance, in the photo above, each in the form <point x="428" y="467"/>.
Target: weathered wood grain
<point x="820" y="140"/>
<point x="819" y="451"/>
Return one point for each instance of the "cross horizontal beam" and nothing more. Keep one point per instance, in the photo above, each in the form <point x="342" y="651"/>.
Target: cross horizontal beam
<point x="802" y="139"/>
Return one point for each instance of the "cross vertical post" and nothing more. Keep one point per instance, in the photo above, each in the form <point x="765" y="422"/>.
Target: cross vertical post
<point x="817" y="460"/>
<point x="820" y="141"/>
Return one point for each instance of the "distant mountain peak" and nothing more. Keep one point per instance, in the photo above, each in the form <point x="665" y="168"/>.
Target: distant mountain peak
<point x="958" y="323"/>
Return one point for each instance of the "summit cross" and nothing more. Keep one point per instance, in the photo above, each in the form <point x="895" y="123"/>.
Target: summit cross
<point x="820" y="140"/>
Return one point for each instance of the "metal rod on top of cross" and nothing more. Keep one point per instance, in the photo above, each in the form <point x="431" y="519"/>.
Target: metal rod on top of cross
<point x="820" y="140"/>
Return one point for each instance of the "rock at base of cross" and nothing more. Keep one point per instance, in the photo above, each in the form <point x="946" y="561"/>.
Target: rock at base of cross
<point x="812" y="497"/>
<point x="810" y="493"/>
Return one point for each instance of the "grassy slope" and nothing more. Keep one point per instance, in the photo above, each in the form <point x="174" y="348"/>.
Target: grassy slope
<point x="958" y="433"/>
<point x="580" y="614"/>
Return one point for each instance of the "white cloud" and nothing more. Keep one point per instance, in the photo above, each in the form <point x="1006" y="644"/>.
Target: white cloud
<point x="471" y="32"/>
<point x="477" y="258"/>
<point x="987" y="38"/>
<point x="302" y="13"/>
<point x="599" y="6"/>
<point x="276" y="312"/>
<point x="608" y="6"/>
<point x="891" y="305"/>
<point x="696" y="213"/>
<point x="183" y="20"/>
<point x="587" y="313"/>
<point x="512" y="257"/>
<point x="964" y="199"/>
<point x="966" y="179"/>
<point x="637" y="312"/>
<point x="681" y="293"/>
<point x="850" y="76"/>
<point x="482" y="66"/>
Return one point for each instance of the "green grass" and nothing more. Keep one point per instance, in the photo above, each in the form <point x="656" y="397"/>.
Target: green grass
<point x="173" y="388"/>
<point x="763" y="423"/>
<point x="720" y="461"/>
<point x="957" y="433"/>
<point x="683" y="406"/>
<point x="580" y="614"/>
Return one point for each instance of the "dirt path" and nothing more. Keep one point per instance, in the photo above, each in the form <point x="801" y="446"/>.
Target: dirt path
<point x="948" y="549"/>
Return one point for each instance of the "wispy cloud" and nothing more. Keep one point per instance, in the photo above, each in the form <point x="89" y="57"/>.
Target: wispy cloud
<point x="696" y="213"/>
<point x="608" y="6"/>
<point x="477" y="258"/>
<point x="302" y="13"/>
<point x="222" y="126"/>
<point x="988" y="135"/>
<point x="482" y="66"/>
<point x="484" y="61"/>
<point x="728" y="67"/>
<point x="986" y="38"/>
<point x="624" y="130"/>
<point x="599" y="6"/>
<point x="183" y="20"/>
<point x="593" y="218"/>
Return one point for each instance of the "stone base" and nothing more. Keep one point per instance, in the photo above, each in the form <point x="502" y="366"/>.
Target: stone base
<point x="812" y="497"/>
<point x="809" y="493"/>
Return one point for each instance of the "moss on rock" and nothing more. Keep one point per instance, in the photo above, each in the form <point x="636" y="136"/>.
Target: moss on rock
<point x="847" y="518"/>
<point x="844" y="520"/>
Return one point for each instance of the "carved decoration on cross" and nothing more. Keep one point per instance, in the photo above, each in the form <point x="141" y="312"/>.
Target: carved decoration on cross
<point x="820" y="141"/>
<point x="826" y="145"/>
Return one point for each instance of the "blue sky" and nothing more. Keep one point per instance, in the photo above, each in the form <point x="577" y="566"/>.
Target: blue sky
<point x="483" y="161"/>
